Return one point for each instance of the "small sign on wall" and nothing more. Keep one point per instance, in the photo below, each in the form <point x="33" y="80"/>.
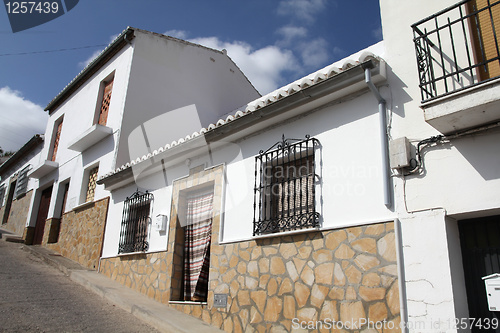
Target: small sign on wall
<point x="220" y="300"/>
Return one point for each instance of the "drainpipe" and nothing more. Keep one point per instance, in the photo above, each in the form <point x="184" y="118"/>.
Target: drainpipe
<point x="382" y="112"/>
<point x="403" y="306"/>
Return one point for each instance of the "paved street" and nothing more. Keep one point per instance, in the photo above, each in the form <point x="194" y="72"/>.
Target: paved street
<point x="35" y="297"/>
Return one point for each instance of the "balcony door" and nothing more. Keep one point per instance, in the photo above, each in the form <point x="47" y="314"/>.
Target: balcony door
<point x="485" y="29"/>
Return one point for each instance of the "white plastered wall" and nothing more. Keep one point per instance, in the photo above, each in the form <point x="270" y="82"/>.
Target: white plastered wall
<point x="78" y="114"/>
<point x="459" y="177"/>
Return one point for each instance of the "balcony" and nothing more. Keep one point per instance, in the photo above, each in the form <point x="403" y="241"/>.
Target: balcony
<point x="90" y="137"/>
<point x="458" y="59"/>
<point x="43" y="169"/>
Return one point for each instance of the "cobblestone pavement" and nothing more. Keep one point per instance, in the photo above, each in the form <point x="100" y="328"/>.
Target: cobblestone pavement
<point x="35" y="297"/>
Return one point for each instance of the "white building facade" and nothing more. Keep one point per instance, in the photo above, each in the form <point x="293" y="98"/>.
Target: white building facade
<point x="16" y="188"/>
<point x="445" y="101"/>
<point x="137" y="77"/>
<point x="362" y="196"/>
<point x="280" y="211"/>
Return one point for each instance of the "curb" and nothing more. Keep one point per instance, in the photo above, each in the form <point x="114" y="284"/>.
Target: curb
<point x="155" y="314"/>
<point x="53" y="259"/>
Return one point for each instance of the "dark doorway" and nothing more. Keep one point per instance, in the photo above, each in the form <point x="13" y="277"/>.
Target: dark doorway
<point x="480" y="242"/>
<point x="43" y="211"/>
<point x="8" y="204"/>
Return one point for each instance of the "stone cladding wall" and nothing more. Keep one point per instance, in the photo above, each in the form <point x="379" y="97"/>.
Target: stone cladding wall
<point x="18" y="214"/>
<point x="274" y="284"/>
<point x="81" y="232"/>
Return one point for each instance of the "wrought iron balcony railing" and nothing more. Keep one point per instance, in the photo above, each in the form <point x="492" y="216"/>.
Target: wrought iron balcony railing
<point x="458" y="47"/>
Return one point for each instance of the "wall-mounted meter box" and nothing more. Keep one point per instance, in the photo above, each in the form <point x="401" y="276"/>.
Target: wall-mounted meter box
<point x="399" y="153"/>
<point x="492" y="284"/>
<point x="160" y="223"/>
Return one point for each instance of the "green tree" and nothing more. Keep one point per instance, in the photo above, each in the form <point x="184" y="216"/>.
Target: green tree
<point x="6" y="153"/>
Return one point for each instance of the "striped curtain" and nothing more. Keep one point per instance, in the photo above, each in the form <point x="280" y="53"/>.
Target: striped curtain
<point x="197" y="246"/>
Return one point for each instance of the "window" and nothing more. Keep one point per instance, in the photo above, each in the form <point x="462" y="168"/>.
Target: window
<point x="135" y="220"/>
<point x="104" y="105"/>
<point x="284" y="193"/>
<point x="22" y="182"/>
<point x="64" y="189"/>
<point x="92" y="184"/>
<point x="57" y="137"/>
<point x="2" y="194"/>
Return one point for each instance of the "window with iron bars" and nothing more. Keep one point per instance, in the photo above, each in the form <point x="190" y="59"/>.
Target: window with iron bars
<point x="284" y="191"/>
<point x="135" y="221"/>
<point x="90" y="194"/>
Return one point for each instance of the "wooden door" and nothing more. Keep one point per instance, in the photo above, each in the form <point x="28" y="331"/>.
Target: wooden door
<point x="43" y="211"/>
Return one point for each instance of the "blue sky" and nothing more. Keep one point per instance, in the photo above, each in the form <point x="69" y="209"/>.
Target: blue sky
<point x="274" y="42"/>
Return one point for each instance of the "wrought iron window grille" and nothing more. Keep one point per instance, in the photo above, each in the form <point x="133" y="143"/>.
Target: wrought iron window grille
<point x="22" y="182"/>
<point x="457" y="48"/>
<point x="135" y="221"/>
<point x="90" y="194"/>
<point x="285" y="186"/>
<point x="2" y="194"/>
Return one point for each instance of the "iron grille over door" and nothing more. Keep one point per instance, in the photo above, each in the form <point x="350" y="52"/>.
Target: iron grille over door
<point x="480" y="242"/>
<point x="135" y="221"/>
<point x="284" y="191"/>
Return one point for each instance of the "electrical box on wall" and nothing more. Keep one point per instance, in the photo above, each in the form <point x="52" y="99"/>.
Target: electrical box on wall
<point x="160" y="223"/>
<point x="492" y="285"/>
<point x="399" y="153"/>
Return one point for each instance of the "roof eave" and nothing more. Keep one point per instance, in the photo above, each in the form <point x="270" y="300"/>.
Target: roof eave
<point x="236" y="128"/>
<point x="111" y="50"/>
<point x="28" y="146"/>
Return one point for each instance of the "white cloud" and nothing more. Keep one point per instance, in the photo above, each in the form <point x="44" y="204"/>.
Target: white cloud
<point x="264" y="67"/>
<point x="181" y="34"/>
<point x="338" y="52"/>
<point x="301" y="9"/>
<point x="314" y="52"/>
<point x="290" y="33"/>
<point x="21" y="119"/>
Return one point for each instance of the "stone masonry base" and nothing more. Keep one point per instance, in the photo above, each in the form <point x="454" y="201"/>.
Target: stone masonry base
<point x="346" y="275"/>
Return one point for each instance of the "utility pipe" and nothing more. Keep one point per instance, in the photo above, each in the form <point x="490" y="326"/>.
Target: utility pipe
<point x="382" y="112"/>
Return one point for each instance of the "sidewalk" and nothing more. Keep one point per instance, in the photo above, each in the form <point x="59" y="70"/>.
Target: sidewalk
<point x="160" y="316"/>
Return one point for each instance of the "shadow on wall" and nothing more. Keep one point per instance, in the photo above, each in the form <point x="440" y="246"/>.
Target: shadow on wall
<point x="481" y="151"/>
